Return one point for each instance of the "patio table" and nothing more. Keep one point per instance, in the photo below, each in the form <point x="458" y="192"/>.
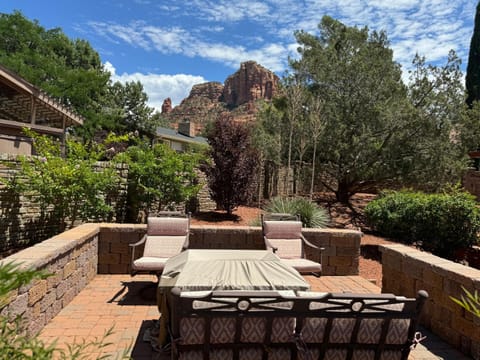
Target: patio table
<point x="202" y="269"/>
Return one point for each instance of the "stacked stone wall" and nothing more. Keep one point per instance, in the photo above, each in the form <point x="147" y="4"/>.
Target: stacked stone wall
<point x="341" y="255"/>
<point x="72" y="260"/>
<point x="407" y="270"/>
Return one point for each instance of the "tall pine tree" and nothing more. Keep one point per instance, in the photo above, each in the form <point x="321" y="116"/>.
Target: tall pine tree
<point x="473" y="68"/>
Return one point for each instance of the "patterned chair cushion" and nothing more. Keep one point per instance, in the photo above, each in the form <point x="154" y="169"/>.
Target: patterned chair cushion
<point x="282" y="330"/>
<point x="253" y="330"/>
<point x="192" y="330"/>
<point x="398" y="331"/>
<point x="222" y="330"/>
<point x="370" y="331"/>
<point x="314" y="329"/>
<point x="342" y="329"/>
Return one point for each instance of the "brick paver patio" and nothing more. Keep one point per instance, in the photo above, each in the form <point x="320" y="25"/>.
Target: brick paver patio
<point x="128" y="304"/>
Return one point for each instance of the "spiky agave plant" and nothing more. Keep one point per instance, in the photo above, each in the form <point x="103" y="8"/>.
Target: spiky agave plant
<point x="311" y="215"/>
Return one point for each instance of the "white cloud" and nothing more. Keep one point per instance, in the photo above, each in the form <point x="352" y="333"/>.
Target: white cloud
<point x="159" y="86"/>
<point x="228" y="11"/>
<point x="429" y="27"/>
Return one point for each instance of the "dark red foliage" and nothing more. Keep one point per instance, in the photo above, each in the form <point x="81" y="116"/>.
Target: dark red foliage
<point x="231" y="175"/>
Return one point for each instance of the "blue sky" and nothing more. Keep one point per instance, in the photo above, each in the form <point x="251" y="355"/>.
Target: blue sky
<point x="171" y="45"/>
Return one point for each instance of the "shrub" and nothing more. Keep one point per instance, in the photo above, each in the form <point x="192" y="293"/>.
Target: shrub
<point x="311" y="215"/>
<point x="440" y="223"/>
<point x="393" y="214"/>
<point x="68" y="188"/>
<point x="158" y="177"/>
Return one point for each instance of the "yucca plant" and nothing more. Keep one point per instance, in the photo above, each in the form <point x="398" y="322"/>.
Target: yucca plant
<point x="311" y="215"/>
<point x="469" y="301"/>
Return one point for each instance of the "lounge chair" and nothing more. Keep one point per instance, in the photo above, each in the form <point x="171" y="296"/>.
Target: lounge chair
<point x="167" y="235"/>
<point x="282" y="234"/>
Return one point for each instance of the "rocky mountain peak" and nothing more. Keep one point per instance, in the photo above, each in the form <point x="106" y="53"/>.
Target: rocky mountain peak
<point x="236" y="96"/>
<point x="251" y="82"/>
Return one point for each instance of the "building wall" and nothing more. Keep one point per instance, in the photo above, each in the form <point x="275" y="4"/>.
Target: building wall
<point x="13" y="142"/>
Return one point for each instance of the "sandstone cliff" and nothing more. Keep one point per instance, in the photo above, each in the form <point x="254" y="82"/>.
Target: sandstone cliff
<point x="251" y="82"/>
<point x="237" y="96"/>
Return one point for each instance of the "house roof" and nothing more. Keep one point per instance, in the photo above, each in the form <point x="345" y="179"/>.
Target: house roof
<point x="23" y="102"/>
<point x="170" y="134"/>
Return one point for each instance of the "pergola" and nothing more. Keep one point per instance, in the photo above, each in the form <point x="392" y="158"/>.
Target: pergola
<point x="24" y="105"/>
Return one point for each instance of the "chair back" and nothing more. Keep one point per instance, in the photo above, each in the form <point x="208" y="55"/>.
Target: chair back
<point x="167" y="236"/>
<point x="286" y="236"/>
<point x="283" y="325"/>
<point x="168" y="226"/>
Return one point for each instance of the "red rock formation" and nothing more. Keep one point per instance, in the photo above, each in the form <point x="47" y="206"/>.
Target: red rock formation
<point x="167" y="106"/>
<point x="251" y="82"/>
<point x="210" y="90"/>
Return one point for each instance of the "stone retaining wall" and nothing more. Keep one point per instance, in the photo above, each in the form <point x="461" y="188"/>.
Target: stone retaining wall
<point x="407" y="270"/>
<point x="341" y="255"/>
<point x="77" y="255"/>
<point x="71" y="258"/>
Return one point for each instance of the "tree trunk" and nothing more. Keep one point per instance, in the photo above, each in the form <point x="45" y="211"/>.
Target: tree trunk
<point x="343" y="192"/>
<point x="313" y="168"/>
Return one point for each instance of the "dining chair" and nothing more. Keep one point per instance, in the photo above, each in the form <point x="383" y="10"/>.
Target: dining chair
<point x="282" y="234"/>
<point x="167" y="235"/>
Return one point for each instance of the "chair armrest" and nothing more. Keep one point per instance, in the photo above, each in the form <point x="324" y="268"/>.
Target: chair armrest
<point x="133" y="246"/>
<point x="186" y="243"/>
<point x="269" y="245"/>
<point x="312" y="245"/>
<point x="142" y="240"/>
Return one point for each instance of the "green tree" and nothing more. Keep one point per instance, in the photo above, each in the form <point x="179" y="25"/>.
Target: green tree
<point x="353" y="72"/>
<point x="129" y="110"/>
<point x="293" y="92"/>
<point x="440" y="125"/>
<point x="69" y="70"/>
<point x="267" y="138"/>
<point x="234" y="164"/>
<point x="375" y="130"/>
<point x="159" y="177"/>
<point x="472" y="79"/>
<point x="315" y="107"/>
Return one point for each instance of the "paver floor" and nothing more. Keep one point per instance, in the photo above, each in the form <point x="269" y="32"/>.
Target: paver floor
<point x="129" y="305"/>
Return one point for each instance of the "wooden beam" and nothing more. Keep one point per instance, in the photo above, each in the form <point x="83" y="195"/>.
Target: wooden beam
<point x="38" y="128"/>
